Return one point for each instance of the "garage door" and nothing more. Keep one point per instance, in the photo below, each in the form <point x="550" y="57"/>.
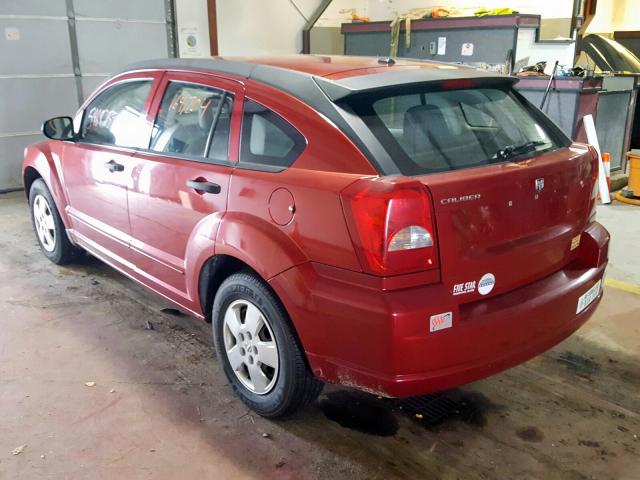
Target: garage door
<point x="55" y="52"/>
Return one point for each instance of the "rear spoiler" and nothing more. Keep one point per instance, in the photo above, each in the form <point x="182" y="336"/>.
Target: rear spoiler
<point x="337" y="90"/>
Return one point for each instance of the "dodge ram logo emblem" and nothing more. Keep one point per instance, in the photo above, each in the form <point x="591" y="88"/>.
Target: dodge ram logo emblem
<point x="539" y="184"/>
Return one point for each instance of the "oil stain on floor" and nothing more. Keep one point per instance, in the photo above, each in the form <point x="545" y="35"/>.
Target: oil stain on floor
<point x="361" y="412"/>
<point x="579" y="364"/>
<point x="377" y="416"/>
<point x="530" y="434"/>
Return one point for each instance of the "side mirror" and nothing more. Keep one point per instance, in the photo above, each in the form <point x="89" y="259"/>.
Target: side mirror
<point x="59" y="128"/>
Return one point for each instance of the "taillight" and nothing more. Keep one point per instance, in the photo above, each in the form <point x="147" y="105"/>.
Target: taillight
<point x="391" y="225"/>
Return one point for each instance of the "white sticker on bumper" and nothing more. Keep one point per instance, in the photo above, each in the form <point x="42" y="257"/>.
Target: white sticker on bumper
<point x="440" y="321"/>
<point x="587" y="298"/>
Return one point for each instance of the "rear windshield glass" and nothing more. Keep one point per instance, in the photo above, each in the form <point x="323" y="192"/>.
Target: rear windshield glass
<point x="426" y="131"/>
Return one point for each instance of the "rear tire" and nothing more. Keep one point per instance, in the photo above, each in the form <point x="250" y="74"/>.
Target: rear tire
<point x="252" y="332"/>
<point x="47" y="224"/>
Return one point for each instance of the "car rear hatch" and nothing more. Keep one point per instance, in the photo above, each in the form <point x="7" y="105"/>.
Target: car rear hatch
<point x="511" y="194"/>
<point x="511" y="223"/>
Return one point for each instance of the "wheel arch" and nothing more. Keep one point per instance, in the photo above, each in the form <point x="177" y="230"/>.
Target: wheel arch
<point x="233" y="241"/>
<point x="216" y="270"/>
<point x="29" y="176"/>
<point x="246" y="241"/>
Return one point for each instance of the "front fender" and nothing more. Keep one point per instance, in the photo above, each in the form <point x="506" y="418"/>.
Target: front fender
<point x="258" y="243"/>
<point x="44" y="158"/>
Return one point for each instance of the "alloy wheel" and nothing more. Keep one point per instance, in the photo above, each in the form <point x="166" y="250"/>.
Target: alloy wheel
<point x="250" y="346"/>
<point x="44" y="223"/>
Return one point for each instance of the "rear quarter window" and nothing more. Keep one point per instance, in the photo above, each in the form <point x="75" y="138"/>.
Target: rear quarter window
<point x="268" y="140"/>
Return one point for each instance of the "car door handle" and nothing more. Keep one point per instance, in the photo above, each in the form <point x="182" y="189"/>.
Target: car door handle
<point x="204" y="186"/>
<point x="112" y="166"/>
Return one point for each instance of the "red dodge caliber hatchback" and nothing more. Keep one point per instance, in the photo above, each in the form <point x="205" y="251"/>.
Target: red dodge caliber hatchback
<point x="399" y="227"/>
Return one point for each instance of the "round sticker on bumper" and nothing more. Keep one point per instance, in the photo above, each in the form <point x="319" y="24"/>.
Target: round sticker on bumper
<point x="486" y="283"/>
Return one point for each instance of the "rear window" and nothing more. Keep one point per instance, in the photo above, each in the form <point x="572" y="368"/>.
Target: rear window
<point x="193" y="120"/>
<point x="428" y="131"/>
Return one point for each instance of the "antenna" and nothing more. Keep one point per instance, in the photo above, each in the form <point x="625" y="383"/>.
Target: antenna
<point x="386" y="61"/>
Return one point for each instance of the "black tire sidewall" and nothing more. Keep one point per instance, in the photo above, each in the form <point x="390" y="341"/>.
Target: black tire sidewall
<point x="241" y="286"/>
<point x="40" y="188"/>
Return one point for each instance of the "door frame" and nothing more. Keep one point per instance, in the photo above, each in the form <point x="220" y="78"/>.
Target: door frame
<point x="91" y="147"/>
<point x="195" y="254"/>
<point x="205" y="79"/>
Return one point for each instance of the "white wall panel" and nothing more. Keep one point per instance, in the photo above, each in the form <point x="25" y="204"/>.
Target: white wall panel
<point x="192" y="22"/>
<point x="41" y="47"/>
<point x="37" y="77"/>
<point x="33" y="100"/>
<point x="91" y="82"/>
<point x="258" y="27"/>
<point x="531" y="52"/>
<point x="11" y="155"/>
<point x="33" y="7"/>
<point x="127" y="9"/>
<point x="126" y="41"/>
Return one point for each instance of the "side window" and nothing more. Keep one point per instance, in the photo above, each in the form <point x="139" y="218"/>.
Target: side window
<point x="193" y="120"/>
<point x="117" y="117"/>
<point x="267" y="139"/>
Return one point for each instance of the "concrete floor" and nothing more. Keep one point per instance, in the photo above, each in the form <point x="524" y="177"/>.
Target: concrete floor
<point x="161" y="409"/>
<point x="623" y="222"/>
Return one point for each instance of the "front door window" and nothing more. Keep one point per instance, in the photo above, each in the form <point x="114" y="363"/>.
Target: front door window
<point x="116" y="116"/>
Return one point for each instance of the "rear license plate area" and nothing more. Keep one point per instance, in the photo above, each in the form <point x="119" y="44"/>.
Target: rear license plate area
<point x="588" y="297"/>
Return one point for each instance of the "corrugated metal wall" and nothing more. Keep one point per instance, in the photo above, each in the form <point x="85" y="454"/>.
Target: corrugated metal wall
<point x="53" y="53"/>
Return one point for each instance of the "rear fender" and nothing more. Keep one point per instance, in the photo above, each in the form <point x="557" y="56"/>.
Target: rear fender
<point x="258" y="243"/>
<point x="249" y="239"/>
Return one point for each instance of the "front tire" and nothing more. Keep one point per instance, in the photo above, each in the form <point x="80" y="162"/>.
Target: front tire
<point x="258" y="350"/>
<point x="48" y="226"/>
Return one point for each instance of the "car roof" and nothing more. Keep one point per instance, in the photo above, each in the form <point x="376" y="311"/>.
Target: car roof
<point x="324" y="82"/>
<point x="320" y="65"/>
<point x="337" y="76"/>
<point x="339" y="66"/>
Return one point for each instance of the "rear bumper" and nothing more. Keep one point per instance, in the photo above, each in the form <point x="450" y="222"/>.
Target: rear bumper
<point x="357" y="334"/>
